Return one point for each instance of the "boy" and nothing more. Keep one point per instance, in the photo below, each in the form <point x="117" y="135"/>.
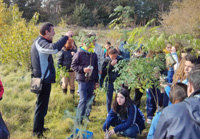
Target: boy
<point x="107" y="69"/>
<point x="177" y="94"/>
<point x="85" y="65"/>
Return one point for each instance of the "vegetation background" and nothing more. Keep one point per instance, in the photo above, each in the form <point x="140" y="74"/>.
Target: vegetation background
<point x="179" y="21"/>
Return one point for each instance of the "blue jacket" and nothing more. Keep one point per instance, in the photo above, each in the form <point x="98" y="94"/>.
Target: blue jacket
<point x="135" y="116"/>
<point x="153" y="125"/>
<point x="42" y="60"/>
<point x="124" y="52"/>
<point x="181" y="120"/>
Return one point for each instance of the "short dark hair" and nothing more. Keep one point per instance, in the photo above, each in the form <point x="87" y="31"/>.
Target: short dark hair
<point x="194" y="77"/>
<point x="192" y="58"/>
<point x="46" y="26"/>
<point x="108" y="43"/>
<point x="178" y="92"/>
<point x="112" y="51"/>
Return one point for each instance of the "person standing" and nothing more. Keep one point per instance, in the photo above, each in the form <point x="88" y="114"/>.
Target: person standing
<point x="65" y="60"/>
<point x="42" y="61"/>
<point x="85" y="64"/>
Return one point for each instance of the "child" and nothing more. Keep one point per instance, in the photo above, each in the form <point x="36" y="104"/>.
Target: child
<point x="107" y="70"/>
<point x="85" y="64"/>
<point x="126" y="118"/>
<point x="178" y="93"/>
<point x="65" y="60"/>
<point x="107" y="46"/>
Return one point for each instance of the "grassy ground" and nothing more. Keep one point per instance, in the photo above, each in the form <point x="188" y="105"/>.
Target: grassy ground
<point x="17" y="106"/>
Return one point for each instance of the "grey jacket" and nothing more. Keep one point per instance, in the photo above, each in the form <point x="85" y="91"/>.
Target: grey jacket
<point x="181" y="120"/>
<point x="100" y="55"/>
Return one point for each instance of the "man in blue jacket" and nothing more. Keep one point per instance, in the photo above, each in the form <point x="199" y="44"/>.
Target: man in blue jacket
<point x="42" y="61"/>
<point x="182" y="120"/>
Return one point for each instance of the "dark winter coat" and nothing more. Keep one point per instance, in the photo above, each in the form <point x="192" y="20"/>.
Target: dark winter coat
<point x="65" y="59"/>
<point x="83" y="59"/>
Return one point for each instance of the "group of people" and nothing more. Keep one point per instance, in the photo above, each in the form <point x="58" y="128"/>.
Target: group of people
<point x="91" y="66"/>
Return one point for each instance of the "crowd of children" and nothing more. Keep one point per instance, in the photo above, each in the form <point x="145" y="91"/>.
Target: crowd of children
<point x="91" y="65"/>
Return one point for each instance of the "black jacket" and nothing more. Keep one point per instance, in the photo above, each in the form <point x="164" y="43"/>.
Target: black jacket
<point x="107" y="70"/>
<point x="65" y="59"/>
<point x="80" y="61"/>
<point x="181" y="120"/>
<point x="41" y="57"/>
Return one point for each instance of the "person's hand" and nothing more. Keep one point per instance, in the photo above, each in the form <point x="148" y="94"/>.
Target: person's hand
<point x="100" y="72"/>
<point x="87" y="70"/>
<point x="96" y="86"/>
<point x="72" y="53"/>
<point x="111" y="132"/>
<point x="69" y="34"/>
<point x="114" y="62"/>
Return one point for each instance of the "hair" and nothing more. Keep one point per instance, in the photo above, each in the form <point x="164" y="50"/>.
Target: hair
<point x="69" y="44"/>
<point x="178" y="92"/>
<point x="122" y="110"/>
<point x="46" y="26"/>
<point x="194" y="77"/>
<point x="112" y="51"/>
<point x="108" y="43"/>
<point x="192" y="58"/>
<point x="179" y="74"/>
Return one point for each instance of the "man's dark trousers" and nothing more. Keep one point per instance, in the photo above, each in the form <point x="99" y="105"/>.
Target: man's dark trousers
<point x="41" y="108"/>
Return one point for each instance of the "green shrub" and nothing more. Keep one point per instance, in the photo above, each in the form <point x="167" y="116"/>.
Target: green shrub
<point x="16" y="36"/>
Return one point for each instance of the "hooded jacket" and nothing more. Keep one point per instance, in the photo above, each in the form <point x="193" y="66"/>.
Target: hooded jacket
<point x="83" y="59"/>
<point x="181" y="120"/>
<point x="42" y="60"/>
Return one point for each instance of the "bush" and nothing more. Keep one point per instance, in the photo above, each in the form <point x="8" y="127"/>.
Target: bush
<point x="183" y="18"/>
<point x="16" y="36"/>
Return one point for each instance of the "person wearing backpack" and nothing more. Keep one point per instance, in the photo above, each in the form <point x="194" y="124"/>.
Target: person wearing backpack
<point x="124" y="116"/>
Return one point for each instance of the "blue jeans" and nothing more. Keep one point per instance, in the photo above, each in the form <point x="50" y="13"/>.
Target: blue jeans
<point x="170" y="74"/>
<point x="86" y="90"/>
<point x="131" y="132"/>
<point x="153" y="97"/>
<point x="110" y="89"/>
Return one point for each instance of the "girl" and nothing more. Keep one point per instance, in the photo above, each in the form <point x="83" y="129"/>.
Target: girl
<point x="65" y="60"/>
<point x="126" y="118"/>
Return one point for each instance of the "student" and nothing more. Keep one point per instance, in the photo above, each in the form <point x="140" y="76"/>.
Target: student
<point x="124" y="116"/>
<point x="85" y="64"/>
<point x="65" y="60"/>
<point x="109" y="74"/>
<point x="181" y="121"/>
<point x="107" y="46"/>
<point x="177" y="94"/>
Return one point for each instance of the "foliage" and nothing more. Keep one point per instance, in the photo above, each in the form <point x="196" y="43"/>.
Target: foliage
<point x="82" y="16"/>
<point x="16" y="36"/>
<point x="122" y="17"/>
<point x="183" y="18"/>
<point x="84" y="39"/>
<point x="61" y="72"/>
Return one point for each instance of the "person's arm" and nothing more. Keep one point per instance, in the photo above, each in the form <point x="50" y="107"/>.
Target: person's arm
<point x="1" y="90"/>
<point x="161" y="128"/>
<point x="76" y="64"/>
<point x="50" y="48"/>
<point x="60" y="59"/>
<point x="111" y="116"/>
<point x="132" y="112"/>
